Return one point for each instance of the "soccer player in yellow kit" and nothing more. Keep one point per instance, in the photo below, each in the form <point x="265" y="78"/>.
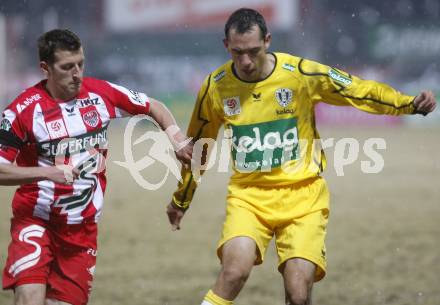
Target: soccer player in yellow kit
<point x="266" y="103"/>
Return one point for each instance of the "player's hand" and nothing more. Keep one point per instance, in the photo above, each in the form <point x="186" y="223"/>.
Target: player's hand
<point x="175" y="215"/>
<point x="425" y="102"/>
<point x="185" y="150"/>
<point x="64" y="174"/>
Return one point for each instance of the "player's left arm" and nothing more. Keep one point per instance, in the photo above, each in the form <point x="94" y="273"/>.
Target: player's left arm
<point x="129" y="102"/>
<point x="182" y="145"/>
<point x="337" y="87"/>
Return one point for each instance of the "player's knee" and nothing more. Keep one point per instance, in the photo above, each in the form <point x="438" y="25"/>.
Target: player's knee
<point x="297" y="299"/>
<point x="235" y="274"/>
<point x="29" y="295"/>
<point x="29" y="298"/>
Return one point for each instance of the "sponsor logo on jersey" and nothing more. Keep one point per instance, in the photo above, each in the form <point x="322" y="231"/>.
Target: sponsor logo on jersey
<point x="70" y="109"/>
<point x="74" y="145"/>
<point x="73" y="204"/>
<point x="92" y="252"/>
<point x="337" y="76"/>
<point x="284" y="96"/>
<point x="288" y="67"/>
<point x="264" y="145"/>
<point x="219" y="76"/>
<point x="81" y="103"/>
<point x="28" y="101"/>
<point x="91" y="118"/>
<point x="56" y="129"/>
<point x="5" y="125"/>
<point x="137" y="98"/>
<point x="231" y="105"/>
<point x="285" y="111"/>
<point x="256" y="97"/>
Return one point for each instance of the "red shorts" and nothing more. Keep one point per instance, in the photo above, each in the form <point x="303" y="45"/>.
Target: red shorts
<point x="40" y="253"/>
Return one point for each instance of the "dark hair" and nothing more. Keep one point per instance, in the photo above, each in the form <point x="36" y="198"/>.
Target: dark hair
<point x="243" y="19"/>
<point x="54" y="40"/>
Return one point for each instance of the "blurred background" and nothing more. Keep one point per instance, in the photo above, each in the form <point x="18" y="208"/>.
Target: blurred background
<point x="166" y="47"/>
<point x="384" y="229"/>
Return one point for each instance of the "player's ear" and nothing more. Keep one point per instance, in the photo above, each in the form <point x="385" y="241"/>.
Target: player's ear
<point x="225" y="42"/>
<point x="44" y="66"/>
<point x="267" y="40"/>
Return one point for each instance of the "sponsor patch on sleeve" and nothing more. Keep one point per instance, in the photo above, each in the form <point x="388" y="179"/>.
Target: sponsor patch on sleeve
<point x="5" y="125"/>
<point x="135" y="97"/>
<point x="138" y="98"/>
<point x="219" y="76"/>
<point x="288" y="67"/>
<point x="339" y="77"/>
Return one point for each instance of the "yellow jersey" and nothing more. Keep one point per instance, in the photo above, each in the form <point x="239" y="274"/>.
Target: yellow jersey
<point x="271" y="122"/>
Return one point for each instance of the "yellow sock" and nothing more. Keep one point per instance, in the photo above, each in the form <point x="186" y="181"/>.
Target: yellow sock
<point x="212" y="299"/>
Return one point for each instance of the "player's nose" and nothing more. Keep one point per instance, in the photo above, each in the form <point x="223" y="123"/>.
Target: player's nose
<point x="245" y="61"/>
<point x="77" y="71"/>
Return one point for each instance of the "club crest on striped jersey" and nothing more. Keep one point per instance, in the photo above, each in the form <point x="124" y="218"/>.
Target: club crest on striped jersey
<point x="284" y="96"/>
<point x="56" y="129"/>
<point x="231" y="105"/>
<point x="91" y="118"/>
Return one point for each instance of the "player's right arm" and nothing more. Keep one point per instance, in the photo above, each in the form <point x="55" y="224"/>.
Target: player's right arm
<point x="128" y="102"/>
<point x="205" y="123"/>
<point x="12" y="139"/>
<point x="17" y="175"/>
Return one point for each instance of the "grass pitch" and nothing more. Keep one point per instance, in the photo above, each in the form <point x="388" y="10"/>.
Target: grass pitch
<point x="382" y="239"/>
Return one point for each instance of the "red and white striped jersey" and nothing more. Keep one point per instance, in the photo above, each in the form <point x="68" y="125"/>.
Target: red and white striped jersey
<point x="36" y="130"/>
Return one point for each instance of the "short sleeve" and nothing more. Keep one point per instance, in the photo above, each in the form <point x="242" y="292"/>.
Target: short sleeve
<point x="128" y="102"/>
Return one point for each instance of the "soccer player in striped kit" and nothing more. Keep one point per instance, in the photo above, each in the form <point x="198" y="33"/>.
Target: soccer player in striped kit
<point x="56" y="132"/>
<point x="266" y="103"/>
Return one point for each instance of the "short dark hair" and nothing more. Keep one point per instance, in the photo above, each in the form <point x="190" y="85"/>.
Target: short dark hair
<point x="243" y="19"/>
<point x="58" y="39"/>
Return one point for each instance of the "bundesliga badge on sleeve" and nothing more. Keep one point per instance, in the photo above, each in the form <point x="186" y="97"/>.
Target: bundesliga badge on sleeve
<point x="5" y="125"/>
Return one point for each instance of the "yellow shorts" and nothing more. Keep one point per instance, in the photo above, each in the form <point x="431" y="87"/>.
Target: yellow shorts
<point x="296" y="214"/>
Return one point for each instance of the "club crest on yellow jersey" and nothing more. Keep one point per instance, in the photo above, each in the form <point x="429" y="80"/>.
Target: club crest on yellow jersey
<point x="284" y="96"/>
